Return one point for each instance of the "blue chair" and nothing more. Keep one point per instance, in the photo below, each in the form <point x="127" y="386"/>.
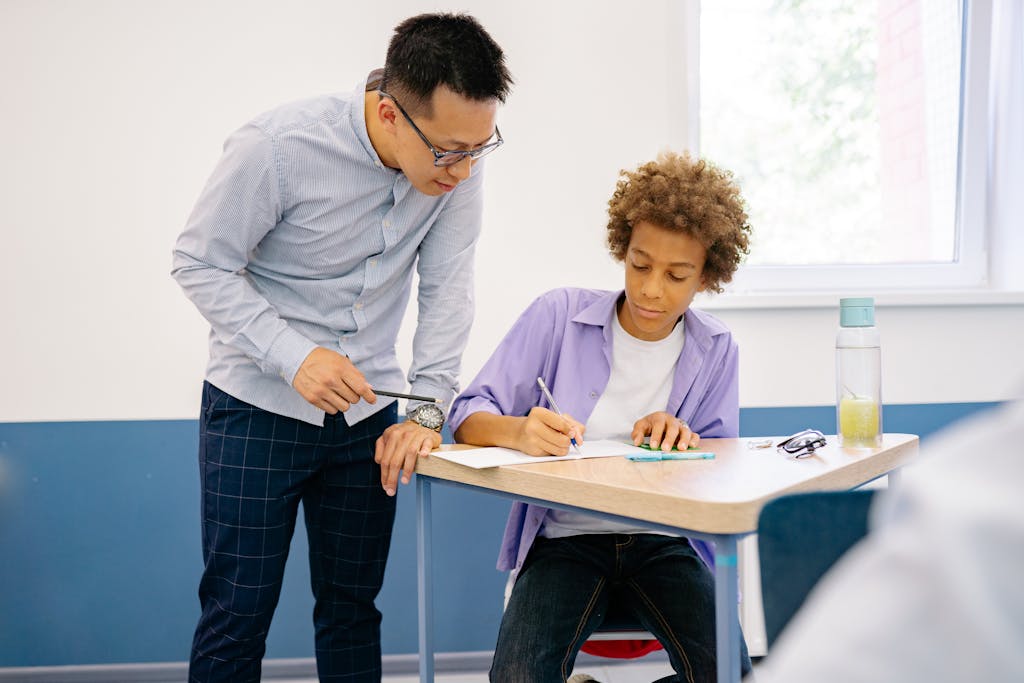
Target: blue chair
<point x="799" y="537"/>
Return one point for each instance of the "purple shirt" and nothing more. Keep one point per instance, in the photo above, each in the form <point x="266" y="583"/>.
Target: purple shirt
<point x="565" y="336"/>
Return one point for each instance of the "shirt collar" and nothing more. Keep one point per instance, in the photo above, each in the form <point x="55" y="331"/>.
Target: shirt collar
<point x="357" y="118"/>
<point x="599" y="312"/>
<point x="699" y="326"/>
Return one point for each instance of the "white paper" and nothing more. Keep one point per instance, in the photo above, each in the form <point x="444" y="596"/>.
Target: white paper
<point x="479" y="458"/>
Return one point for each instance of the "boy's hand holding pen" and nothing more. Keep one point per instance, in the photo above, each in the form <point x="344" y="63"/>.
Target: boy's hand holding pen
<point x="545" y="432"/>
<point x="549" y="432"/>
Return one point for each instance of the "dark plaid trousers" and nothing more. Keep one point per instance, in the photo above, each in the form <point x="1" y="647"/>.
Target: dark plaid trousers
<point x="255" y="467"/>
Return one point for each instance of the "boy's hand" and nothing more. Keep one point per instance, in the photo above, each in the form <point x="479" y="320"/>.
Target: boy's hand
<point x="544" y="432"/>
<point x="666" y="431"/>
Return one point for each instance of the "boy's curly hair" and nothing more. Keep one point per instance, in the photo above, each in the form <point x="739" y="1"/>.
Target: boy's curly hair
<point x="692" y="197"/>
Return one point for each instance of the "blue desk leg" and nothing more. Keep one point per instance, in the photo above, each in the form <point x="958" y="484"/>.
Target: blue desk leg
<point x="424" y="580"/>
<point x="727" y="625"/>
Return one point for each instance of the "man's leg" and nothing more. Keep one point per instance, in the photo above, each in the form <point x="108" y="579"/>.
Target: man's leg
<point x="252" y="465"/>
<point x="672" y="593"/>
<point x="560" y="597"/>
<point x="349" y="520"/>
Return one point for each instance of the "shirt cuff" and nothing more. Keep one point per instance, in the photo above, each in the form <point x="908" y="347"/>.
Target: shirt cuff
<point x="475" y="404"/>
<point x="287" y="353"/>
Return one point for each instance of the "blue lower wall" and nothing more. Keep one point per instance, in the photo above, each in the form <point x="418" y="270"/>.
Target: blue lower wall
<point x="100" y="557"/>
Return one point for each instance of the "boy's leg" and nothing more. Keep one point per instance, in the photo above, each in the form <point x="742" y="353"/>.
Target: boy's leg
<point x="251" y="473"/>
<point x="558" y="600"/>
<point x="349" y="520"/>
<point x="672" y="593"/>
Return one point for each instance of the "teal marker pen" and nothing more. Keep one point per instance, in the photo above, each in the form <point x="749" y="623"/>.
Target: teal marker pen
<point x="688" y="455"/>
<point x="657" y="456"/>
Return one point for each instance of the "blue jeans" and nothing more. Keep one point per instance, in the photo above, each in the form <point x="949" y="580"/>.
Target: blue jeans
<point x="255" y="467"/>
<point x="567" y="584"/>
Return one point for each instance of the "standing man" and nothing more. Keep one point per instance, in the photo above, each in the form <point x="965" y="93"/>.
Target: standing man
<point x="300" y="253"/>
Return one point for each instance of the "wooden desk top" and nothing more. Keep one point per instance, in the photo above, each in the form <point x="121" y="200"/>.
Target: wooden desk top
<point x="724" y="495"/>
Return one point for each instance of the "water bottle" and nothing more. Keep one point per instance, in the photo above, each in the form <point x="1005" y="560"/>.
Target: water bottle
<point x="858" y="375"/>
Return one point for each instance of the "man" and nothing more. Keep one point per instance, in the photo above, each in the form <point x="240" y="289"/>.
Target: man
<point x="300" y="253"/>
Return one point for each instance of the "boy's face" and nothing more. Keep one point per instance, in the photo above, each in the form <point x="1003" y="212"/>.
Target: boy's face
<point x="457" y="123"/>
<point x="664" y="271"/>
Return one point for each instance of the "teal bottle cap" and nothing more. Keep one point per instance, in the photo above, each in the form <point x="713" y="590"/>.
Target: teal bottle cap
<point x="857" y="312"/>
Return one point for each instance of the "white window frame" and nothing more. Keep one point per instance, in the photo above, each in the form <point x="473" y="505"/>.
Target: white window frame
<point x="969" y="270"/>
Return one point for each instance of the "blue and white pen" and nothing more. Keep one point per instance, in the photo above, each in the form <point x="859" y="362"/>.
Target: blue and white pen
<point x="554" y="407"/>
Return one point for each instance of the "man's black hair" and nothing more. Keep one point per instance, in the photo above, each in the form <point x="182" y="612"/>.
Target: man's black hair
<point x="454" y="50"/>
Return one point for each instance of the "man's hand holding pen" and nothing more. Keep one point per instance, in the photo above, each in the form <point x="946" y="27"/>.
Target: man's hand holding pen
<point x="331" y="382"/>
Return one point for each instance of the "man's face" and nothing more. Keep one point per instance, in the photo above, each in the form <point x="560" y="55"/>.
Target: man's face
<point x="456" y="124"/>
<point x="664" y="271"/>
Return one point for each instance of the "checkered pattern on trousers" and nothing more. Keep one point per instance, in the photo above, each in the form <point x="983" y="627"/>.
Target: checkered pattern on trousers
<point x="255" y="467"/>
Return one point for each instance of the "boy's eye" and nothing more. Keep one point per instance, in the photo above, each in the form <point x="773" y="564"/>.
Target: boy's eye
<point x="676" y="278"/>
<point x="637" y="266"/>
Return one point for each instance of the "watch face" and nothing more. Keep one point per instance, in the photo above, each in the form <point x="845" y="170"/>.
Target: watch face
<point x="429" y="416"/>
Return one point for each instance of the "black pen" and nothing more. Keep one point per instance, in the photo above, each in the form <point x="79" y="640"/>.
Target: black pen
<point x="413" y="397"/>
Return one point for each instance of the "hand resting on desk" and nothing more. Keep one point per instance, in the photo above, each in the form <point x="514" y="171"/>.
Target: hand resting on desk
<point x="666" y="431"/>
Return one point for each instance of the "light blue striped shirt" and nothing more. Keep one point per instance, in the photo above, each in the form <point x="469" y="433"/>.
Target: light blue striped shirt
<point x="303" y="238"/>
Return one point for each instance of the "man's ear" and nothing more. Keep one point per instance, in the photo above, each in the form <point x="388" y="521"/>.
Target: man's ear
<point x="387" y="114"/>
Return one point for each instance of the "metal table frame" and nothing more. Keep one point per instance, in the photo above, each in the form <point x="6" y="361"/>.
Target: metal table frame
<point x="727" y="627"/>
<point x="835" y="468"/>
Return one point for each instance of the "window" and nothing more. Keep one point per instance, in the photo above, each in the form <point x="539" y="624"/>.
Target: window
<point x="842" y="122"/>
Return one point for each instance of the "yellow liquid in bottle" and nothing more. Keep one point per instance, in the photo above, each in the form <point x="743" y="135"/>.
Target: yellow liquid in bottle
<point x="858" y="421"/>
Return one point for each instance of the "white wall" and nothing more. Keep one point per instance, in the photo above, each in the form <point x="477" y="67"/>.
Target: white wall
<point x="114" y="113"/>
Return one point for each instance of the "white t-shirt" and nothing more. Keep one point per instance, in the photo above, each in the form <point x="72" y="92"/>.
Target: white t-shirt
<point x="640" y="384"/>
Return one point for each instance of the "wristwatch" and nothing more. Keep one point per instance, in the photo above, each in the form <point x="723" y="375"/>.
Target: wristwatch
<point x="427" y="415"/>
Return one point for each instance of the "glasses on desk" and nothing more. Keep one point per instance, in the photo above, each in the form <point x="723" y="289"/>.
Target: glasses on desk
<point x="802" y="444"/>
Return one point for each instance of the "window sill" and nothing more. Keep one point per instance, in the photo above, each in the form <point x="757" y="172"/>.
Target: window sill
<point x="883" y="299"/>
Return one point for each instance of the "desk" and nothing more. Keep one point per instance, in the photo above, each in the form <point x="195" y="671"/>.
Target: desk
<point x="715" y="500"/>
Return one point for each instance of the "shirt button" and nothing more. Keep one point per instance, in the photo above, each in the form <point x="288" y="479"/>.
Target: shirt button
<point x="359" y="306"/>
<point x="387" y="223"/>
<point x="373" y="262"/>
<point x="593" y="394"/>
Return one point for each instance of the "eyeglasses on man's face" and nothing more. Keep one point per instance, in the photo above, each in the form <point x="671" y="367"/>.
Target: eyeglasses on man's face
<point x="803" y="444"/>
<point x="444" y="159"/>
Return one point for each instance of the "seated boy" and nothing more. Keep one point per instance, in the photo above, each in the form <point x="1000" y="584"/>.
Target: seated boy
<point x="623" y="365"/>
